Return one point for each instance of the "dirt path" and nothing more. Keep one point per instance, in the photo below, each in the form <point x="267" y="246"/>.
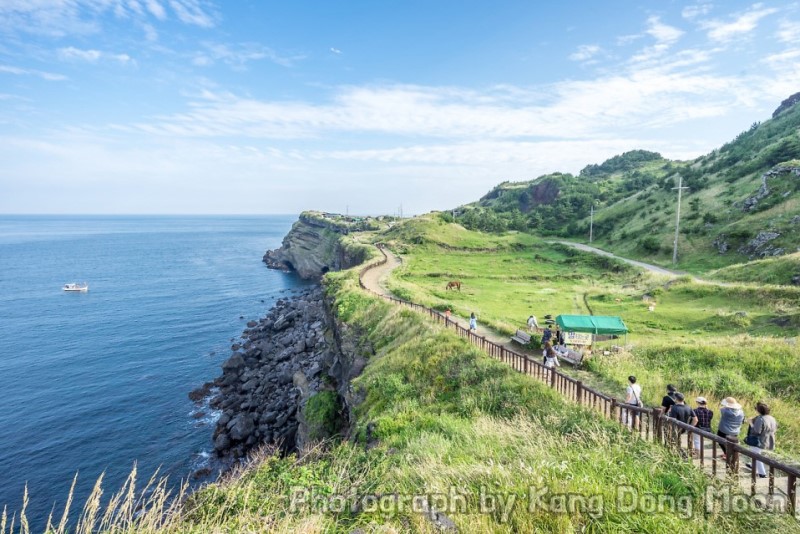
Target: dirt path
<point x="646" y="266"/>
<point x="375" y="280"/>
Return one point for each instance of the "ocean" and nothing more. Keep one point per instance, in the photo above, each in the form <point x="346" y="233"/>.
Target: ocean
<point x="95" y="382"/>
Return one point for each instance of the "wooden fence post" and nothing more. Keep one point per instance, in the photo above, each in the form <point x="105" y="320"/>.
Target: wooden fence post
<point x="552" y="377"/>
<point x="579" y="392"/>
<point x="731" y="454"/>
<point x="658" y="429"/>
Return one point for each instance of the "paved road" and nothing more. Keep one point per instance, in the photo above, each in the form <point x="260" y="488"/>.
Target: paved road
<point x="652" y="268"/>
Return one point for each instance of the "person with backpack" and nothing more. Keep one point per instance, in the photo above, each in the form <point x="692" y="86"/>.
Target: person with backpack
<point x="762" y="434"/>
<point x="547" y="335"/>
<point x="669" y="398"/>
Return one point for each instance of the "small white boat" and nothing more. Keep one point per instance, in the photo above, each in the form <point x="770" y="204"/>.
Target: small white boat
<point x="76" y="287"/>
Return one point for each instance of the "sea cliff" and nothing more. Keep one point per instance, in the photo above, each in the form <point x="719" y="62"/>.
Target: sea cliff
<point x="314" y="246"/>
<point x="287" y="380"/>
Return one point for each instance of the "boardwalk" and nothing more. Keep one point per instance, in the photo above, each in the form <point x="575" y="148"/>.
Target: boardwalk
<point x="778" y="490"/>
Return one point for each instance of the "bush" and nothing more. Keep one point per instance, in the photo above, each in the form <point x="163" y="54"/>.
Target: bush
<point x="323" y="415"/>
<point x="650" y="244"/>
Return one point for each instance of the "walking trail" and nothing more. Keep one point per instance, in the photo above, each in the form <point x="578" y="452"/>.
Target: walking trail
<point x="646" y="266"/>
<point x="375" y="279"/>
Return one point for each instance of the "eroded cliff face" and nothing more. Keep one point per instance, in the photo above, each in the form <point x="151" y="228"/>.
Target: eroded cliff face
<point x="312" y="248"/>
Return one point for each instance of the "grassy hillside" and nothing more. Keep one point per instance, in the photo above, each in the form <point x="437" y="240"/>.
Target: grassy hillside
<point x="730" y="213"/>
<point x="781" y="270"/>
<point x="708" y="339"/>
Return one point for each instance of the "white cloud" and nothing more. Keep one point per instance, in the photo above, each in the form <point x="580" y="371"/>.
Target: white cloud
<point x="789" y="31"/>
<point x="150" y="33"/>
<point x="661" y="32"/>
<point x="742" y="24"/>
<point x="156" y="9"/>
<point x="664" y="35"/>
<point x="623" y="40"/>
<point x="237" y="55"/>
<point x="692" y="12"/>
<point x="641" y="99"/>
<point x="584" y="52"/>
<point x="192" y="12"/>
<point x="92" y="56"/>
<point x="336" y="50"/>
<point x="787" y="58"/>
<point x="59" y="18"/>
<point x="49" y="76"/>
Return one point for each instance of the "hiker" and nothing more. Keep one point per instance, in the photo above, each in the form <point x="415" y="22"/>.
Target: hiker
<point x="551" y="358"/>
<point x="447" y="313"/>
<point x="731" y="418"/>
<point x="762" y="429"/>
<point x="473" y="322"/>
<point x="559" y="337"/>
<point x="704" y="417"/>
<point x="669" y="398"/>
<point x="633" y="396"/>
<point x="547" y="335"/>
<point x="532" y="323"/>
<point x="545" y="348"/>
<point x="681" y="412"/>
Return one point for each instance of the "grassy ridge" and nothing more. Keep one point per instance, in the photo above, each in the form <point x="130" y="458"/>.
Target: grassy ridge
<point x="778" y="270"/>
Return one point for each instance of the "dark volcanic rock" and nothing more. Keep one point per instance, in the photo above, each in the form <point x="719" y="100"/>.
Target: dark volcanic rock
<point x="260" y="401"/>
<point x="786" y="104"/>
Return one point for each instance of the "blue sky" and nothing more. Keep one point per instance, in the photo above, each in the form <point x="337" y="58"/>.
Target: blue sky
<point x="195" y="106"/>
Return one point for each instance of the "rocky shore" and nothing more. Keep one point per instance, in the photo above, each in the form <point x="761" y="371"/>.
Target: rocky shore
<point x="276" y="367"/>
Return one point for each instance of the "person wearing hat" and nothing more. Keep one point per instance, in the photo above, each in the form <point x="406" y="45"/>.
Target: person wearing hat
<point x="704" y="417"/>
<point x="669" y="398"/>
<point x="764" y="426"/>
<point x="731" y="418"/>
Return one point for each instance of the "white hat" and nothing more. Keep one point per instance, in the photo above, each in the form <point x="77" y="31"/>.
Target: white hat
<point x="700" y="400"/>
<point x="730" y="402"/>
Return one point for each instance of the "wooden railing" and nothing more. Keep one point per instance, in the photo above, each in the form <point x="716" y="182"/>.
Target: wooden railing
<point x="647" y="423"/>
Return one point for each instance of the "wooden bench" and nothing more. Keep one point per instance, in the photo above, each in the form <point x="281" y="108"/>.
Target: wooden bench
<point x="571" y="356"/>
<point x="521" y="337"/>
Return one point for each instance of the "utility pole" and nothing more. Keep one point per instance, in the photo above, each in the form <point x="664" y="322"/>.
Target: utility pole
<point x="680" y="189"/>
<point x="591" y="224"/>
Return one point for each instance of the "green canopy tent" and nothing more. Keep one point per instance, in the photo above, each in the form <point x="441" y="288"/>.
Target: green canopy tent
<point x="592" y="324"/>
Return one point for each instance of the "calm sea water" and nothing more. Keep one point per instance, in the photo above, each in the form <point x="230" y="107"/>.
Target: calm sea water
<point x="93" y="382"/>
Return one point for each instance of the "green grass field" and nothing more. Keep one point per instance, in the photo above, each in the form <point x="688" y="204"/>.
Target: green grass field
<point x="707" y="339"/>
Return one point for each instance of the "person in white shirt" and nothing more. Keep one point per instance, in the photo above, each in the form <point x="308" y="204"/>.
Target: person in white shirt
<point x="532" y="323"/>
<point x="633" y="396"/>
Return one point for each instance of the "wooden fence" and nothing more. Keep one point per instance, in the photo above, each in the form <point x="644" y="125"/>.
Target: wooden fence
<point x="647" y="423"/>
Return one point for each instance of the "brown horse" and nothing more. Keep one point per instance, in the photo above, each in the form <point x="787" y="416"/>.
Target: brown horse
<point x="454" y="284"/>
